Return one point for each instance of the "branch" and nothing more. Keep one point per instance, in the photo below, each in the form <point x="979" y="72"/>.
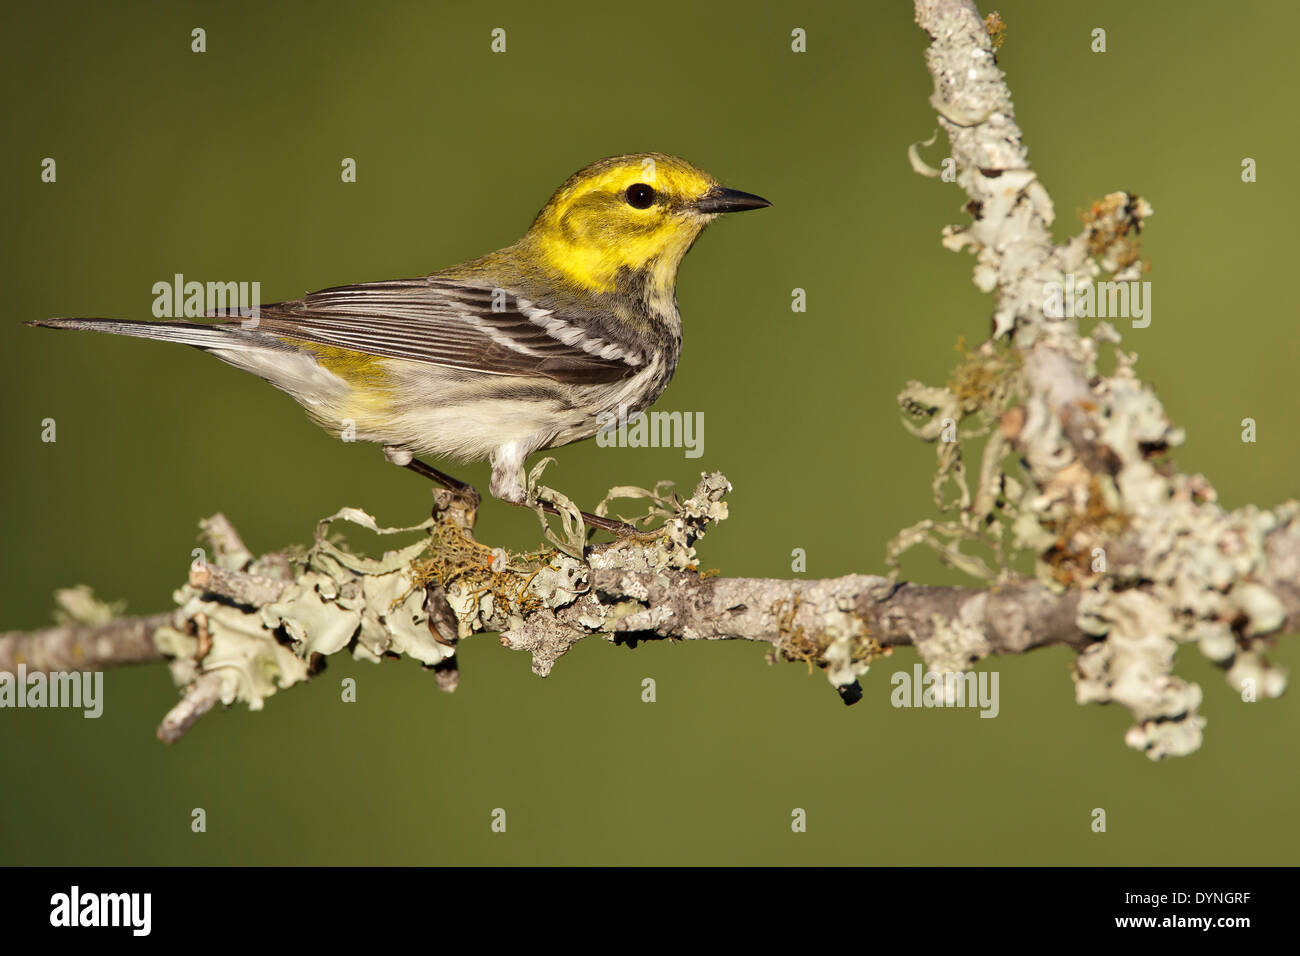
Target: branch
<point x="80" y="646"/>
<point x="241" y="635"/>
<point x="1075" y="467"/>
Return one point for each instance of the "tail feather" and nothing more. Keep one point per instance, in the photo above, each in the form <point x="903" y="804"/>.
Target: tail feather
<point x="278" y="362"/>
<point x="201" y="335"/>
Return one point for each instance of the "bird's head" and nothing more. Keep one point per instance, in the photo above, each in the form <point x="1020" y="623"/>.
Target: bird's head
<point x="638" y="212"/>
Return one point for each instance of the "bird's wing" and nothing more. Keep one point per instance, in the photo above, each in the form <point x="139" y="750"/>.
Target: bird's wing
<point x="455" y="324"/>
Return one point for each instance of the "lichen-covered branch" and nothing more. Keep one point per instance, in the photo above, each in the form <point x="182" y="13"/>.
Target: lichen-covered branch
<point x="254" y="626"/>
<point x="242" y="633"/>
<point x="87" y="637"/>
<point x="1075" y="465"/>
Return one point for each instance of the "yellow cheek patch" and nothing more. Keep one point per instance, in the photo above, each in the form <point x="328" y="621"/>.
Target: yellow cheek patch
<point x="594" y="265"/>
<point x="587" y="233"/>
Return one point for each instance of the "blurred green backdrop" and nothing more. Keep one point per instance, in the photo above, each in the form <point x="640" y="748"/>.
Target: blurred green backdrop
<point x="225" y="165"/>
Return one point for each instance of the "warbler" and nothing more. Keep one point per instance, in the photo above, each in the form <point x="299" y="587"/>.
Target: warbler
<point x="530" y="347"/>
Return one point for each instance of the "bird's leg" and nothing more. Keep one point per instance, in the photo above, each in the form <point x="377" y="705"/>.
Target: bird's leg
<point x="447" y="481"/>
<point x="596" y="521"/>
<point x="511" y="483"/>
<point x="401" y="456"/>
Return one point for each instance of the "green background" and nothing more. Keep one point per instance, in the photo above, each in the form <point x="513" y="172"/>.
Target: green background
<point x="225" y="165"/>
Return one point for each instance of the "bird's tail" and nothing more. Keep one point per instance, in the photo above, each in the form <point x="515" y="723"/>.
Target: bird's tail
<point x="204" y="336"/>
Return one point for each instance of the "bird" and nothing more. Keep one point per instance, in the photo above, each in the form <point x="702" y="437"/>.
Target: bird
<point x="534" y="346"/>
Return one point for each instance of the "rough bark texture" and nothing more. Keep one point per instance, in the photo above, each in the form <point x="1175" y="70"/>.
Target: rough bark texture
<point x="82" y="647"/>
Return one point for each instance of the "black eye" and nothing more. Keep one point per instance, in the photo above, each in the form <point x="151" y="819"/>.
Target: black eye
<point x="640" y="196"/>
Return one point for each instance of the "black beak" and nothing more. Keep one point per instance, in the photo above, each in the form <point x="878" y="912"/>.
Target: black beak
<point x="719" y="199"/>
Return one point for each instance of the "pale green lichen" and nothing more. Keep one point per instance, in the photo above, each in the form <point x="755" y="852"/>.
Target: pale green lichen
<point x="251" y="664"/>
<point x="333" y="598"/>
<point x="849" y="649"/>
<point x="78" y="605"/>
<point x="330" y="597"/>
<point x="954" y="644"/>
<point x="1075" y="475"/>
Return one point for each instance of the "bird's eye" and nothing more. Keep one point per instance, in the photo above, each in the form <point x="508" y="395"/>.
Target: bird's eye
<point x="640" y="196"/>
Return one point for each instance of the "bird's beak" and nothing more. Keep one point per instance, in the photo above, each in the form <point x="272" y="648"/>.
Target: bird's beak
<point x="720" y="199"/>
